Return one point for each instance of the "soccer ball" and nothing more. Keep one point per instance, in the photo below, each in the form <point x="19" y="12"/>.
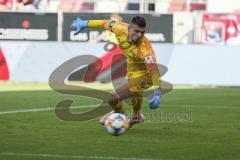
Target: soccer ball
<point x="116" y="124"/>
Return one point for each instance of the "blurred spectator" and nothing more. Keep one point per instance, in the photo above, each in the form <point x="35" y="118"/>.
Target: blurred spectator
<point x="33" y="5"/>
<point x="27" y="6"/>
<point x="76" y="5"/>
<point x="111" y="6"/>
<point x="5" y="5"/>
<point x="41" y="5"/>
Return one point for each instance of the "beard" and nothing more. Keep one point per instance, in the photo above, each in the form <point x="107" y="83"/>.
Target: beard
<point x="135" y="40"/>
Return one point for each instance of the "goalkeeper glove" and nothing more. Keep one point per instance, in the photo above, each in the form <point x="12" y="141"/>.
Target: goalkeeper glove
<point x="155" y="99"/>
<point x="78" y="25"/>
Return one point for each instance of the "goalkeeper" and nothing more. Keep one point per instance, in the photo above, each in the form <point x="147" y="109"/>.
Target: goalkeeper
<point x="142" y="69"/>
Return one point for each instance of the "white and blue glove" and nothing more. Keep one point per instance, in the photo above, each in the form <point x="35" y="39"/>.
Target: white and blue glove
<point x="155" y="99"/>
<point x="78" y="25"/>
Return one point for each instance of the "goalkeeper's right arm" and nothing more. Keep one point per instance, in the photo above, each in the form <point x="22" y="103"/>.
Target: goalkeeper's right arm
<point x="102" y="24"/>
<point x="78" y="24"/>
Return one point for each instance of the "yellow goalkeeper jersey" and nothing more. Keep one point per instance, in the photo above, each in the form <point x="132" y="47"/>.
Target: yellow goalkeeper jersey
<point x="140" y="57"/>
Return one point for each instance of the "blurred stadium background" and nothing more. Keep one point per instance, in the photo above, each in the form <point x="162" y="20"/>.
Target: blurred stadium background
<point x="197" y="40"/>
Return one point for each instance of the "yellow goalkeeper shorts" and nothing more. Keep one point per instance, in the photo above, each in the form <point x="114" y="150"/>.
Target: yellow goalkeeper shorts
<point x="140" y="83"/>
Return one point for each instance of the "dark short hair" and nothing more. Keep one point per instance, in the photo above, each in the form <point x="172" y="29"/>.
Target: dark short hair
<point x="139" y="21"/>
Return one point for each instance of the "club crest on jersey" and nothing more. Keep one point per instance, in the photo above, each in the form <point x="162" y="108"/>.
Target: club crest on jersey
<point x="111" y="24"/>
<point x="133" y="53"/>
<point x="149" y="59"/>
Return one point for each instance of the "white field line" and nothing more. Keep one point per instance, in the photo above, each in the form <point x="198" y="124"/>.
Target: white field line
<point x="70" y="157"/>
<point x="93" y="106"/>
<point x="43" y="109"/>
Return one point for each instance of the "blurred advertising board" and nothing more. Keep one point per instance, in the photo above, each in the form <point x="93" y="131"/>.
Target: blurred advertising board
<point x="159" y="27"/>
<point x="220" y="28"/>
<point x="28" y="26"/>
<point x="183" y="28"/>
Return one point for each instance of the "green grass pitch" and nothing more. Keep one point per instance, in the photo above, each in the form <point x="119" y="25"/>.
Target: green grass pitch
<point x="191" y="124"/>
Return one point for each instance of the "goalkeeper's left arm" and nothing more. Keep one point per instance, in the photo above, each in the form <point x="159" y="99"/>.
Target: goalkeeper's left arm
<point x="153" y="70"/>
<point x="155" y="97"/>
<point x="150" y="62"/>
